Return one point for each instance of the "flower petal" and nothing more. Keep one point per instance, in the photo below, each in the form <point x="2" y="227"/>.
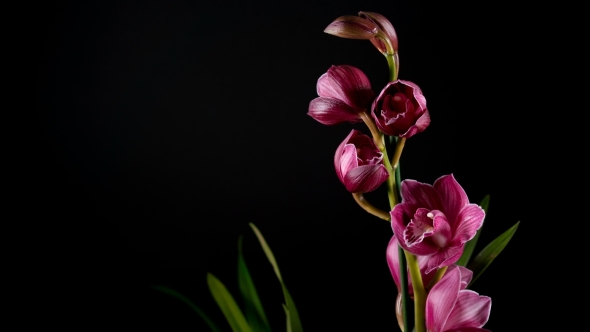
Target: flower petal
<point x="455" y="198"/>
<point x="393" y="261"/>
<point x="420" y="195"/>
<point x="441" y="300"/>
<point x="331" y="111"/>
<point x="385" y="26"/>
<point x="421" y="124"/>
<point x="348" y="160"/>
<point x="468" y="222"/>
<point x="444" y="257"/>
<point x="469" y="329"/>
<point x="351" y="86"/>
<point x="353" y="27"/>
<point x="471" y="310"/>
<point x="338" y="154"/>
<point x="366" y="178"/>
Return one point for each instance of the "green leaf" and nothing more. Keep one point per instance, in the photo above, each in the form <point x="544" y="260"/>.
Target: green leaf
<point x="293" y="321"/>
<point x="470" y="246"/>
<point x="228" y="305"/>
<point x="253" y="307"/>
<point x="184" y="299"/>
<point x="490" y="252"/>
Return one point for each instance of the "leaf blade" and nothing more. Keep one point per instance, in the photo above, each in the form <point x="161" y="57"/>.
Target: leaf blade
<point x="252" y="306"/>
<point x="490" y="252"/>
<point x="290" y="308"/>
<point x="184" y="299"/>
<point x="227" y="304"/>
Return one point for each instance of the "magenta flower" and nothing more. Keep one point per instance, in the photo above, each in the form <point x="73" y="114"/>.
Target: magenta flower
<point x="359" y="164"/>
<point x="393" y="262"/>
<point x="452" y="308"/>
<point x="435" y="220"/>
<point x="344" y="92"/>
<point x="400" y="109"/>
<point x="352" y="27"/>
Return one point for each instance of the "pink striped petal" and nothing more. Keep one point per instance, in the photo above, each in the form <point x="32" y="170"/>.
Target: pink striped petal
<point x="455" y="198"/>
<point x="469" y="221"/>
<point x="441" y="300"/>
<point x="393" y="261"/>
<point x="471" y="310"/>
<point x="366" y="178"/>
<point x="331" y="111"/>
<point x="348" y="159"/>
<point x="444" y="257"/>
<point x="420" y="195"/>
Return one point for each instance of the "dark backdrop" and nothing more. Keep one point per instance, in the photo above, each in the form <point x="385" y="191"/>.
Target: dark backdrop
<point x="164" y="128"/>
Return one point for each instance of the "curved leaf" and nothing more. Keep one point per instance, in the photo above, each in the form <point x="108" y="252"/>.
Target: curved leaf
<point x="470" y="246"/>
<point x="253" y="307"/>
<point x="228" y="305"/>
<point x="184" y="299"/>
<point x="490" y="252"/>
<point x="293" y="321"/>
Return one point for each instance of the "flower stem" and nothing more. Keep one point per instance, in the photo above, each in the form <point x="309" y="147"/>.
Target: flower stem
<point x="419" y="293"/>
<point x="399" y="147"/>
<point x="360" y="199"/>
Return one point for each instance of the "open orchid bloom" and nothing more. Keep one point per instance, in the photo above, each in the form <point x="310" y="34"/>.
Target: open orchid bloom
<point x="452" y="308"/>
<point x="435" y="220"/>
<point x="344" y="92"/>
<point x="400" y="109"/>
<point x="393" y="262"/>
<point x="359" y="164"/>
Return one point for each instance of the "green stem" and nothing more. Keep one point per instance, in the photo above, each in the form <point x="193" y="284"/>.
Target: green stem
<point x="362" y="201"/>
<point x="419" y="293"/>
<point x="404" y="285"/>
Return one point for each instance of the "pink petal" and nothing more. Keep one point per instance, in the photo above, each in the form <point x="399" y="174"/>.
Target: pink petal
<point x="354" y="86"/>
<point x="338" y="154"/>
<point x="444" y="257"/>
<point x="442" y="228"/>
<point x="352" y="27"/>
<point x="441" y="300"/>
<point x="471" y="310"/>
<point x="366" y="178"/>
<point x="454" y="197"/>
<point x="421" y="124"/>
<point x="393" y="261"/>
<point x="468" y="222"/>
<point x="420" y="195"/>
<point x="466" y="276"/>
<point x="331" y="111"/>
<point x="469" y="329"/>
<point x="399" y="218"/>
<point x="348" y="160"/>
<point x="385" y="26"/>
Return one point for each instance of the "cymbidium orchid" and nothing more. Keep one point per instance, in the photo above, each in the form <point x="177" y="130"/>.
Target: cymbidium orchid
<point x="435" y="220"/>
<point x="344" y="92"/>
<point x="400" y="109"/>
<point x="359" y="164"/>
<point x="434" y="226"/>
<point x="452" y="308"/>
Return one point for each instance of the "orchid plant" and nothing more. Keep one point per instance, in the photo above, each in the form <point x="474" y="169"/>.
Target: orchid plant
<point x="435" y="227"/>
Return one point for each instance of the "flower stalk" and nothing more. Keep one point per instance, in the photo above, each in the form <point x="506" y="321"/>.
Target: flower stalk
<point x="360" y="199"/>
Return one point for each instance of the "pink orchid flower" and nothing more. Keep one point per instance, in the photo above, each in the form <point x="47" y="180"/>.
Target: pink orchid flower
<point x="435" y="220"/>
<point x="359" y="164"/>
<point x="452" y="308"/>
<point x="344" y="92"/>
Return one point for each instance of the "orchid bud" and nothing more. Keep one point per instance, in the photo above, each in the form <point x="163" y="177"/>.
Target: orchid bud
<point x="359" y="164"/>
<point x="352" y="27"/>
<point x="386" y="29"/>
<point x="400" y="109"/>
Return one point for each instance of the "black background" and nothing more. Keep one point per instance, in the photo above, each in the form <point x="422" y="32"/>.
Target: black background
<point x="163" y="128"/>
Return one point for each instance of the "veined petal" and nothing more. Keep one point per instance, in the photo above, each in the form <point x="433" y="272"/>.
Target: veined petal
<point x="420" y="195"/>
<point x="471" y="310"/>
<point x="444" y="257"/>
<point x="466" y="276"/>
<point x="455" y="198"/>
<point x="338" y="154"/>
<point x="469" y="329"/>
<point x="366" y="178"/>
<point x="354" y="85"/>
<point x="442" y="228"/>
<point x="331" y="111"/>
<point x="353" y="27"/>
<point x="422" y="123"/>
<point x="393" y="261"/>
<point x="348" y="160"/>
<point x="416" y="91"/>
<point x="385" y="26"/>
<point x="468" y="222"/>
<point x="441" y="300"/>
